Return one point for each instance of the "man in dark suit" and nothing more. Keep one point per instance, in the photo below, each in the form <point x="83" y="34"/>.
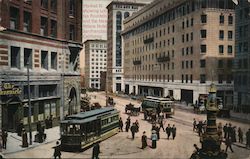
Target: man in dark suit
<point x="96" y="151"/>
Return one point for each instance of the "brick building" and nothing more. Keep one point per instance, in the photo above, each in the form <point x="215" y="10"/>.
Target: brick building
<point x="46" y="34"/>
<point x="178" y="48"/>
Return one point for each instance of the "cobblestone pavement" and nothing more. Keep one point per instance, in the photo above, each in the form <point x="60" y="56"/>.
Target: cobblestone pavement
<point x="122" y="146"/>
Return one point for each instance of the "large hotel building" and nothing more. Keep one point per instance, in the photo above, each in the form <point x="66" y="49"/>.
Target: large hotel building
<point x="242" y="58"/>
<point x="44" y="36"/>
<point x="180" y="47"/>
<point x="117" y="12"/>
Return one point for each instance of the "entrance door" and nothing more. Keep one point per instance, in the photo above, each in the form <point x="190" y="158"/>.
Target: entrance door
<point x="187" y="95"/>
<point x="12" y="111"/>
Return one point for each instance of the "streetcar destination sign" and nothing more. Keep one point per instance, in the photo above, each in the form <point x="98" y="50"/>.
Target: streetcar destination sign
<point x="9" y="89"/>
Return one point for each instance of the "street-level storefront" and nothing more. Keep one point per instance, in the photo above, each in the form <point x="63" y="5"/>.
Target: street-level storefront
<point x="15" y="109"/>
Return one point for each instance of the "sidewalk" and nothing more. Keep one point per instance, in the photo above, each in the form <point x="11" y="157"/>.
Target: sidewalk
<point x="14" y="142"/>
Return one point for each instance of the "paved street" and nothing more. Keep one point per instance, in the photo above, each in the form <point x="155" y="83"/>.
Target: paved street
<point x="122" y="146"/>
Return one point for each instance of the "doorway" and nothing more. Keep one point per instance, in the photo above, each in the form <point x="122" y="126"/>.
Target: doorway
<point x="12" y="116"/>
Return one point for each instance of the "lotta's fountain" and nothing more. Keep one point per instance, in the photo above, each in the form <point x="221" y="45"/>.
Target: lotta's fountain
<point x="210" y="139"/>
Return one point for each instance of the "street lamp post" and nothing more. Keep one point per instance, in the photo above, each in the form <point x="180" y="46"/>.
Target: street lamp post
<point x="29" y="117"/>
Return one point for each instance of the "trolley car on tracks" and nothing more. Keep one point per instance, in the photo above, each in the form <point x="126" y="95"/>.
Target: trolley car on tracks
<point x="81" y="130"/>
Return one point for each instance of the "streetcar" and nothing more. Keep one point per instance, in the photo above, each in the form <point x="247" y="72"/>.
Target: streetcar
<point x="166" y="105"/>
<point x="81" y="130"/>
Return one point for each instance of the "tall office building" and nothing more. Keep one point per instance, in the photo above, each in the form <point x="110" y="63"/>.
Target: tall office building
<point x="180" y="47"/>
<point x="44" y="36"/>
<point x="242" y="58"/>
<point x="117" y="12"/>
<point x="95" y="62"/>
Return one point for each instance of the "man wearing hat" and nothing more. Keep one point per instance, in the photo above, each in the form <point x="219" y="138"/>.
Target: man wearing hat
<point x="248" y="138"/>
<point x="96" y="151"/>
<point x="24" y="138"/>
<point x="144" y="140"/>
<point x="154" y="139"/>
<point x="168" y="130"/>
<point x="57" y="152"/>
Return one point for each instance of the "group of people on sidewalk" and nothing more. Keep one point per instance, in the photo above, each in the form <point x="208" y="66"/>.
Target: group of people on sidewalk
<point x="228" y="130"/>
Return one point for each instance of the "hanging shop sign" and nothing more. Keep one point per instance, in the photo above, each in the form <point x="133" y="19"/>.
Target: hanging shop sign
<point x="9" y="89"/>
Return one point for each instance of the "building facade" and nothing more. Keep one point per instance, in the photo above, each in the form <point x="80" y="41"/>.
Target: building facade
<point x="95" y="62"/>
<point x="178" y="48"/>
<point x="117" y="12"/>
<point x="44" y="36"/>
<point x="242" y="58"/>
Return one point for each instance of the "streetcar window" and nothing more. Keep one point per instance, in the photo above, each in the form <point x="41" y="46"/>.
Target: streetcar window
<point x="73" y="129"/>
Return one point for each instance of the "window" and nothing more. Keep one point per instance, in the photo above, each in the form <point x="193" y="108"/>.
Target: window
<point x="183" y="51"/>
<point x="203" y="33"/>
<point x="192" y="21"/>
<point x="27" y="57"/>
<point x="44" y="4"/>
<point x="220" y="78"/>
<point x="221" y="49"/>
<point x="191" y="50"/>
<point x="229" y="49"/>
<point x="191" y="64"/>
<point x="230" y="35"/>
<point x="230" y="19"/>
<point x="183" y="38"/>
<point x="204" y="18"/>
<point x="192" y="36"/>
<point x="27" y="22"/>
<point x="172" y="65"/>
<point x="53" y="5"/>
<point x="229" y="63"/>
<point x="191" y="78"/>
<point x="202" y="63"/>
<point x="53" y="29"/>
<point x="220" y="63"/>
<point x="182" y="78"/>
<point x="186" y="78"/>
<point x="14" y="18"/>
<point x="53" y="60"/>
<point x="187" y="51"/>
<point x="221" y="34"/>
<point x="229" y="78"/>
<point x="72" y="7"/>
<point x="187" y="23"/>
<point x="186" y="64"/>
<point x="221" y="19"/>
<point x="44" y="59"/>
<point x="203" y="48"/>
<point x="183" y="25"/>
<point x="44" y="26"/>
<point x="202" y="78"/>
<point x="71" y="32"/>
<point x="182" y="64"/>
<point x="245" y="46"/>
<point x="15" y="57"/>
<point x="173" y="28"/>
<point x="187" y="37"/>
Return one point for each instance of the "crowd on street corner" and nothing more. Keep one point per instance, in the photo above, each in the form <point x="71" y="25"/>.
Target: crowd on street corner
<point x="227" y="133"/>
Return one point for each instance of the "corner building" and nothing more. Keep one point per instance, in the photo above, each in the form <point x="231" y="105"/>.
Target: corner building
<point x="242" y="59"/>
<point x="117" y="12"/>
<point x="46" y="34"/>
<point x="178" y="48"/>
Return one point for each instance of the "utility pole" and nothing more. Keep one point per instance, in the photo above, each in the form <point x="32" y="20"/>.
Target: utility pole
<point x="29" y="118"/>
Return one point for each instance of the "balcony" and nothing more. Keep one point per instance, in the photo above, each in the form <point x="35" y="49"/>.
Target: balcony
<point x="163" y="59"/>
<point x="149" y="40"/>
<point x="137" y="62"/>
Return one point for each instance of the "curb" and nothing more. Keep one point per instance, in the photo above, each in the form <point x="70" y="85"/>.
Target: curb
<point x="29" y="147"/>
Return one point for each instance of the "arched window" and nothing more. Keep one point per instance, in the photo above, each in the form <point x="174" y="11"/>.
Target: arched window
<point x="126" y="14"/>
